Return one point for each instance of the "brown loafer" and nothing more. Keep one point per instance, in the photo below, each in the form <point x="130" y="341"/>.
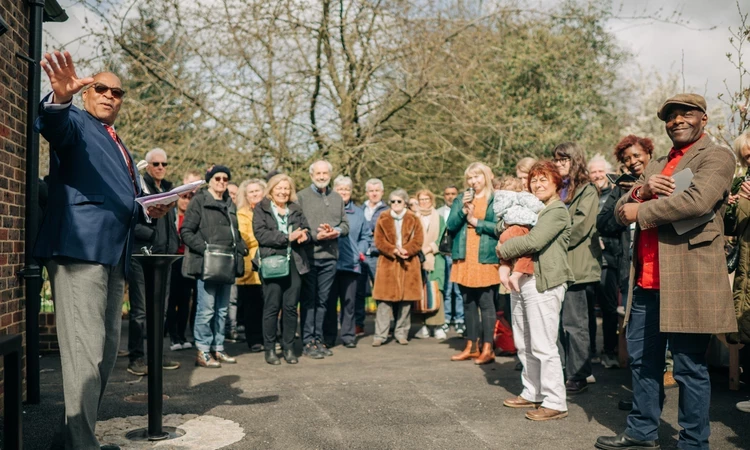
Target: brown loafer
<point x="224" y="358"/>
<point x="669" y="381"/>
<point x="520" y="402"/>
<point x="205" y="359"/>
<point x="546" y="414"/>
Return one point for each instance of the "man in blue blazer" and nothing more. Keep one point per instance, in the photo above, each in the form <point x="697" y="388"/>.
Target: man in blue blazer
<point x="87" y="234"/>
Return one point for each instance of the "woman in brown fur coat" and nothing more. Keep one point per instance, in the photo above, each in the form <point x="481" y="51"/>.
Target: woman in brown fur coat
<point x="398" y="279"/>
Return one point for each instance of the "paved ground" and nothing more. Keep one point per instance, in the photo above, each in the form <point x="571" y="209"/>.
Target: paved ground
<point x="390" y="397"/>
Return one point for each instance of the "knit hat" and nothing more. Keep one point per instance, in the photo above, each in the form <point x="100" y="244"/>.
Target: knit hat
<point x="218" y="169"/>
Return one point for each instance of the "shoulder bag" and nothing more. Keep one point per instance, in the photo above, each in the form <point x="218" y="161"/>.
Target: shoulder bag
<point x="276" y="266"/>
<point x="220" y="262"/>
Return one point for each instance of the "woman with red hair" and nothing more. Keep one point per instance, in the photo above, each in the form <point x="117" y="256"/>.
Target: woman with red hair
<point x="536" y="307"/>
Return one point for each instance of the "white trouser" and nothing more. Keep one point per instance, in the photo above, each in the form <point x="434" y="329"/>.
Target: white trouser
<point x="536" y="323"/>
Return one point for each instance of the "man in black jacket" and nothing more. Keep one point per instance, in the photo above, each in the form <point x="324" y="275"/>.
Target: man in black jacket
<point x="160" y="237"/>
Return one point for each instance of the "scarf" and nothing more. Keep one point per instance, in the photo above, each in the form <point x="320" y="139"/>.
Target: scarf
<point x="431" y="225"/>
<point x="398" y="220"/>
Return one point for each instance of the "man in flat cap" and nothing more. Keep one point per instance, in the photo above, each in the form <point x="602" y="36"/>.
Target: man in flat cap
<point x="680" y="291"/>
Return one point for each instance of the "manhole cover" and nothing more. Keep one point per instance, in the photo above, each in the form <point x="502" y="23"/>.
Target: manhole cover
<point x="141" y="398"/>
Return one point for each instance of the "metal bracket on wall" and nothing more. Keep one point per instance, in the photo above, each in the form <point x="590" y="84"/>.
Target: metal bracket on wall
<point x="30" y="271"/>
<point x="4" y="27"/>
<point x="25" y="58"/>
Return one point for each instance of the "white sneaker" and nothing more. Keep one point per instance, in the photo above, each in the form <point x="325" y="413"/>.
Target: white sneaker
<point x="187" y="345"/>
<point x="440" y="334"/>
<point x="176" y="346"/>
<point x="423" y="333"/>
<point x="590" y="379"/>
<point x="610" y="362"/>
<point x="744" y="406"/>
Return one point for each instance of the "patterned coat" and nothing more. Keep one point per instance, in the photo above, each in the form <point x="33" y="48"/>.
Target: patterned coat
<point x="695" y="292"/>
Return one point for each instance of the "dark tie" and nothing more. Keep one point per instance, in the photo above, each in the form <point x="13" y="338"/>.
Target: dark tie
<point x="124" y="152"/>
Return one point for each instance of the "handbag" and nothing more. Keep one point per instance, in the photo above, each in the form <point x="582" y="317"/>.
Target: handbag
<point x="221" y="263"/>
<point x="275" y="266"/>
<point x="732" y="252"/>
<point x="431" y="299"/>
<point x="446" y="243"/>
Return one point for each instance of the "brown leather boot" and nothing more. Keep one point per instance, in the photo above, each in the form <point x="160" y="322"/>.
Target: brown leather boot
<point x="470" y="352"/>
<point x="487" y="356"/>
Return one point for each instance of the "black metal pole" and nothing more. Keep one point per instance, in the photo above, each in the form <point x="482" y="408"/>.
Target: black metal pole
<point x="31" y="271"/>
<point x="156" y="270"/>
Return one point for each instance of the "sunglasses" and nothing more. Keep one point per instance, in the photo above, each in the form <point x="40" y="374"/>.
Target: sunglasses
<point x="157" y="164"/>
<point x="221" y="179"/>
<point x="393" y="202"/>
<point x="187" y="196"/>
<point x="100" y="89"/>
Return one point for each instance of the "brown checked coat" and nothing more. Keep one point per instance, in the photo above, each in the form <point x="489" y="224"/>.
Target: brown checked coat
<point x="396" y="279"/>
<point x="694" y="287"/>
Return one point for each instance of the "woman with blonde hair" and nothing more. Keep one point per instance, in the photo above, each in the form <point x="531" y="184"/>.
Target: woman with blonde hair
<point x="471" y="223"/>
<point x="249" y="291"/>
<point x="433" y="226"/>
<point x="523" y="166"/>
<point x="281" y="230"/>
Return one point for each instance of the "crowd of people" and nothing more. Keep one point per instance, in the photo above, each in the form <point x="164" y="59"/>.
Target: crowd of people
<point x="542" y="248"/>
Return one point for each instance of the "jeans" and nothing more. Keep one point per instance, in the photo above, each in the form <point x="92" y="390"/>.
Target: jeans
<point x="344" y="288"/>
<point x="646" y="346"/>
<point x="281" y="294"/>
<point x="231" y="322"/>
<point x="211" y="315"/>
<point x="316" y="286"/>
<point x="364" y="289"/>
<point x="536" y="319"/>
<point x="574" y="334"/>
<point x="476" y="299"/>
<point x="454" y="303"/>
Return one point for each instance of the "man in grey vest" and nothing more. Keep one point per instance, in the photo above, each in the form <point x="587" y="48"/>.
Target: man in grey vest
<point x="324" y="210"/>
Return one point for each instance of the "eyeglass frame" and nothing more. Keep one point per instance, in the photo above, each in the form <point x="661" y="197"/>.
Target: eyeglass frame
<point x="114" y="90"/>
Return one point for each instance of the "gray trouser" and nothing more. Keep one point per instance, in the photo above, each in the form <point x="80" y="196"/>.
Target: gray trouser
<point x="574" y="334"/>
<point x="385" y="314"/>
<point x="88" y="311"/>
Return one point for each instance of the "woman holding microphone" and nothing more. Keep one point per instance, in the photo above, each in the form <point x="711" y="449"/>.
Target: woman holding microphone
<point x="471" y="223"/>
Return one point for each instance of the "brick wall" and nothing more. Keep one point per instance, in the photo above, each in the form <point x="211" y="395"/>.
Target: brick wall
<point x="13" y="79"/>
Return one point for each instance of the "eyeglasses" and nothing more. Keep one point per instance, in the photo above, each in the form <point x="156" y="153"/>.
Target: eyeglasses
<point x="187" y="196"/>
<point x="221" y="179"/>
<point x="157" y="164"/>
<point x="393" y="202"/>
<point x="561" y="160"/>
<point x="102" y="88"/>
<point x="424" y="200"/>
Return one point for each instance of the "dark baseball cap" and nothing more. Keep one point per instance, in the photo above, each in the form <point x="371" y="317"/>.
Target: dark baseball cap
<point x="694" y="101"/>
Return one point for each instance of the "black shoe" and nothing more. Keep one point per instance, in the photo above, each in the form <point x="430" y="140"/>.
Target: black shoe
<point x="168" y="364"/>
<point x="138" y="367"/>
<point x="256" y="348"/>
<point x="576" y="387"/>
<point x="625" y="405"/>
<point x="622" y="440"/>
<point x="323" y="349"/>
<point x="232" y="337"/>
<point x="311" y="351"/>
<point x="352" y="344"/>
<point x="271" y="358"/>
<point x="290" y="357"/>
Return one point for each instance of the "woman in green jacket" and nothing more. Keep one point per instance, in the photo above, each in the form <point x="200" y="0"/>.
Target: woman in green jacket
<point x="584" y="257"/>
<point x="471" y="223"/>
<point x="536" y="307"/>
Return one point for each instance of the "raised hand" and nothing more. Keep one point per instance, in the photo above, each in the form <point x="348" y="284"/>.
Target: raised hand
<point x="62" y="76"/>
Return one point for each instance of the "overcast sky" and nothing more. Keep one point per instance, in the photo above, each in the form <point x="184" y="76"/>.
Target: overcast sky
<point x="655" y="45"/>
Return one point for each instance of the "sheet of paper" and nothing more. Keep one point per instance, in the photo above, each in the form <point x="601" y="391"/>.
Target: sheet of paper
<point x="682" y="180"/>
<point x="165" y="198"/>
